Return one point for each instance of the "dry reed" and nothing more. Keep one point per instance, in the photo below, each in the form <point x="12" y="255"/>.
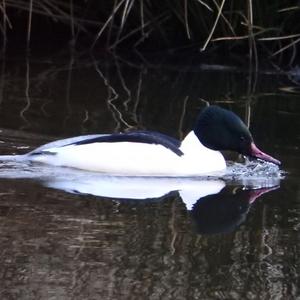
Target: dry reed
<point x="168" y="24"/>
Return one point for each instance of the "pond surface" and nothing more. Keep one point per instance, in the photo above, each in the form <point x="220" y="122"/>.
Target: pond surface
<point x="67" y="234"/>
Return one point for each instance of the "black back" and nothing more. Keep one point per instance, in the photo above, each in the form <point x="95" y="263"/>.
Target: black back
<point x="147" y="137"/>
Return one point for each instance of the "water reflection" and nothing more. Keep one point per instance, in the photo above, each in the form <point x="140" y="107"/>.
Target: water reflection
<point x="71" y="246"/>
<point x="214" y="207"/>
<point x="48" y="96"/>
<point x="224" y="212"/>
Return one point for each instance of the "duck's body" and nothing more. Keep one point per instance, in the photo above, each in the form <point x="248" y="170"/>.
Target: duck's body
<point x="132" y="154"/>
<point x="146" y="153"/>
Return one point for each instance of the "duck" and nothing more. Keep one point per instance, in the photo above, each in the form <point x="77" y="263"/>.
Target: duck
<point x="150" y="153"/>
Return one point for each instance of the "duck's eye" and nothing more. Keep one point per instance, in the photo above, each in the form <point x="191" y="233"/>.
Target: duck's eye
<point x="242" y="138"/>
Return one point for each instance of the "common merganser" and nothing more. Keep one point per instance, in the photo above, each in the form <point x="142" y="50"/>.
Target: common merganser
<point x="148" y="153"/>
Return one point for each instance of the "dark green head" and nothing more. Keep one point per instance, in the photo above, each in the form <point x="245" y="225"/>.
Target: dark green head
<point x="221" y="129"/>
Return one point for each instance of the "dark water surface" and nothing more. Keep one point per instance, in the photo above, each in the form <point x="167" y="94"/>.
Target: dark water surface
<point x="65" y="238"/>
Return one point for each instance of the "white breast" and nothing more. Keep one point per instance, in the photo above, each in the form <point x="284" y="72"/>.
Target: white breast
<point x="200" y="159"/>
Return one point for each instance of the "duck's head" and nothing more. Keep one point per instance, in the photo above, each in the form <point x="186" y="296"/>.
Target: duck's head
<point x="221" y="129"/>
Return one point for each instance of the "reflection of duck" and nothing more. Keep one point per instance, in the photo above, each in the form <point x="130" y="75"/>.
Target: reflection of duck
<point x="146" y="153"/>
<point x="225" y="211"/>
<point x="138" y="188"/>
<point x="191" y="190"/>
<point x="211" y="205"/>
<point x="214" y="208"/>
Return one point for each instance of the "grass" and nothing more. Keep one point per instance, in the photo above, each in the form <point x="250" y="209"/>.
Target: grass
<point x="205" y="25"/>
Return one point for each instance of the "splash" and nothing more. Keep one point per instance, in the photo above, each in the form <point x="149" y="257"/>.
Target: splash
<point x="254" y="174"/>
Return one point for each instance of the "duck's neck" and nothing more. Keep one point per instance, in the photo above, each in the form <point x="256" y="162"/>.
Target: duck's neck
<point x="191" y="143"/>
<point x="200" y="157"/>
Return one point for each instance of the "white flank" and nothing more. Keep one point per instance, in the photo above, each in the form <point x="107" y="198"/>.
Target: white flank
<point x="118" y="158"/>
<point x="136" y="159"/>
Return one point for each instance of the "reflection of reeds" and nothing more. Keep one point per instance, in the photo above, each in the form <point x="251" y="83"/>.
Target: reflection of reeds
<point x="119" y="95"/>
<point x="167" y="23"/>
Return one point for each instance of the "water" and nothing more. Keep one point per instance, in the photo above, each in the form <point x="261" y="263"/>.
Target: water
<point x="67" y="234"/>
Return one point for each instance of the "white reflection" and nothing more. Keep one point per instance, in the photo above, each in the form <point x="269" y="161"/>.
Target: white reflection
<point x="190" y="189"/>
